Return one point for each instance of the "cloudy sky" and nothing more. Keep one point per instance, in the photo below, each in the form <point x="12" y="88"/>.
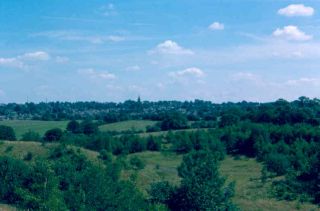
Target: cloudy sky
<point x="224" y="50"/>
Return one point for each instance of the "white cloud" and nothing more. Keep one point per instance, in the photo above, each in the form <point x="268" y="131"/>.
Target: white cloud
<point x="22" y="60"/>
<point x="133" y="68"/>
<point x="296" y="10"/>
<point x="62" y="59"/>
<point x="304" y="81"/>
<point x="38" y="55"/>
<point x="171" y="47"/>
<point x="93" y="74"/>
<point x="216" y="26"/>
<point x="11" y="62"/>
<point x="291" y="33"/>
<point x="80" y="36"/>
<point x="189" y="72"/>
<point x="109" y="10"/>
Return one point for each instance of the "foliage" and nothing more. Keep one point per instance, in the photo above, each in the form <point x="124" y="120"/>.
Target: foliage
<point x="85" y="186"/>
<point x="7" y="133"/>
<point x="31" y="136"/>
<point x="89" y="128"/>
<point x="284" y="136"/>
<point x="153" y="143"/>
<point x="28" y="156"/>
<point x="53" y="135"/>
<point x="202" y="188"/>
<point x="105" y="156"/>
<point x="137" y="163"/>
<point x="74" y="127"/>
<point x="161" y="192"/>
<point x="174" y="121"/>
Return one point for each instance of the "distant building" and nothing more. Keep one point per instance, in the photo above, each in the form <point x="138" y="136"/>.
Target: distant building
<point x="139" y="99"/>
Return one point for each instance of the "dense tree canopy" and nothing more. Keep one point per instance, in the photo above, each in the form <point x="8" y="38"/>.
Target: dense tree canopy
<point x="174" y="121"/>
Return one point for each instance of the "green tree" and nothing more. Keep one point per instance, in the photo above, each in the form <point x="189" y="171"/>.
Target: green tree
<point x="202" y="188"/>
<point x="137" y="163"/>
<point x="182" y="143"/>
<point x="74" y="127"/>
<point x="228" y="119"/>
<point x="31" y="136"/>
<point x="89" y="127"/>
<point x="7" y="133"/>
<point x="105" y="156"/>
<point x="153" y="143"/>
<point x="174" y="121"/>
<point x="53" y="135"/>
<point x="44" y="186"/>
<point x="161" y="192"/>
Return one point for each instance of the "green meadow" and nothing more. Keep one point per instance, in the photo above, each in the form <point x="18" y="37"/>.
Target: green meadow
<point x="137" y="125"/>
<point x="22" y="126"/>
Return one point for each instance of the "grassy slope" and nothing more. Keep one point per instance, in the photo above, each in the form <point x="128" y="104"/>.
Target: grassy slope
<point x="127" y="125"/>
<point x="5" y="207"/>
<point x="165" y="132"/>
<point x="158" y="167"/>
<point x="18" y="149"/>
<point x="250" y="194"/>
<point x="22" y="126"/>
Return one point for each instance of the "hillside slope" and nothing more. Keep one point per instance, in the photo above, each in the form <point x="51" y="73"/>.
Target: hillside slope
<point x="250" y="194"/>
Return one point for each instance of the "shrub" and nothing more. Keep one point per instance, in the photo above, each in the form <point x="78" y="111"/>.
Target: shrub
<point x="89" y="128"/>
<point x="137" y="163"/>
<point x="7" y="133"/>
<point x="9" y="149"/>
<point x="277" y="163"/>
<point x="53" y="135"/>
<point x="31" y="136"/>
<point x="228" y="119"/>
<point x="174" y="121"/>
<point x="74" y="127"/>
<point x="28" y="156"/>
<point x="153" y="144"/>
<point x="182" y="143"/>
<point x="105" y="156"/>
<point x="153" y="128"/>
<point x="161" y="192"/>
<point x="202" y="188"/>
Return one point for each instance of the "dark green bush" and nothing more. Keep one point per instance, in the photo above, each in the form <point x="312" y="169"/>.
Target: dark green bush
<point x="7" y="133"/>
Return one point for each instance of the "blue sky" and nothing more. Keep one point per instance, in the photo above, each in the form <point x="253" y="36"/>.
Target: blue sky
<point x="223" y="50"/>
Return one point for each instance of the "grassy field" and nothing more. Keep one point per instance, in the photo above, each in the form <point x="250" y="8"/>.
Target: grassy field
<point x="127" y="125"/>
<point x="165" y="132"/>
<point x="22" y="126"/>
<point x="159" y="166"/>
<point x="250" y="194"/>
<point x="19" y="149"/>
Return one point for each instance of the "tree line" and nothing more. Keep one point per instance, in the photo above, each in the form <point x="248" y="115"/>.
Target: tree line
<point x="283" y="136"/>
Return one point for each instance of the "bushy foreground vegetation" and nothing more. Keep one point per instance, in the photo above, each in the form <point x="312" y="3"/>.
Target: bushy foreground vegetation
<point x="66" y="181"/>
<point x="282" y="136"/>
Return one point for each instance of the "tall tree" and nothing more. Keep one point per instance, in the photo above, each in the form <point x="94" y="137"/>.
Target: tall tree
<point x="202" y="188"/>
